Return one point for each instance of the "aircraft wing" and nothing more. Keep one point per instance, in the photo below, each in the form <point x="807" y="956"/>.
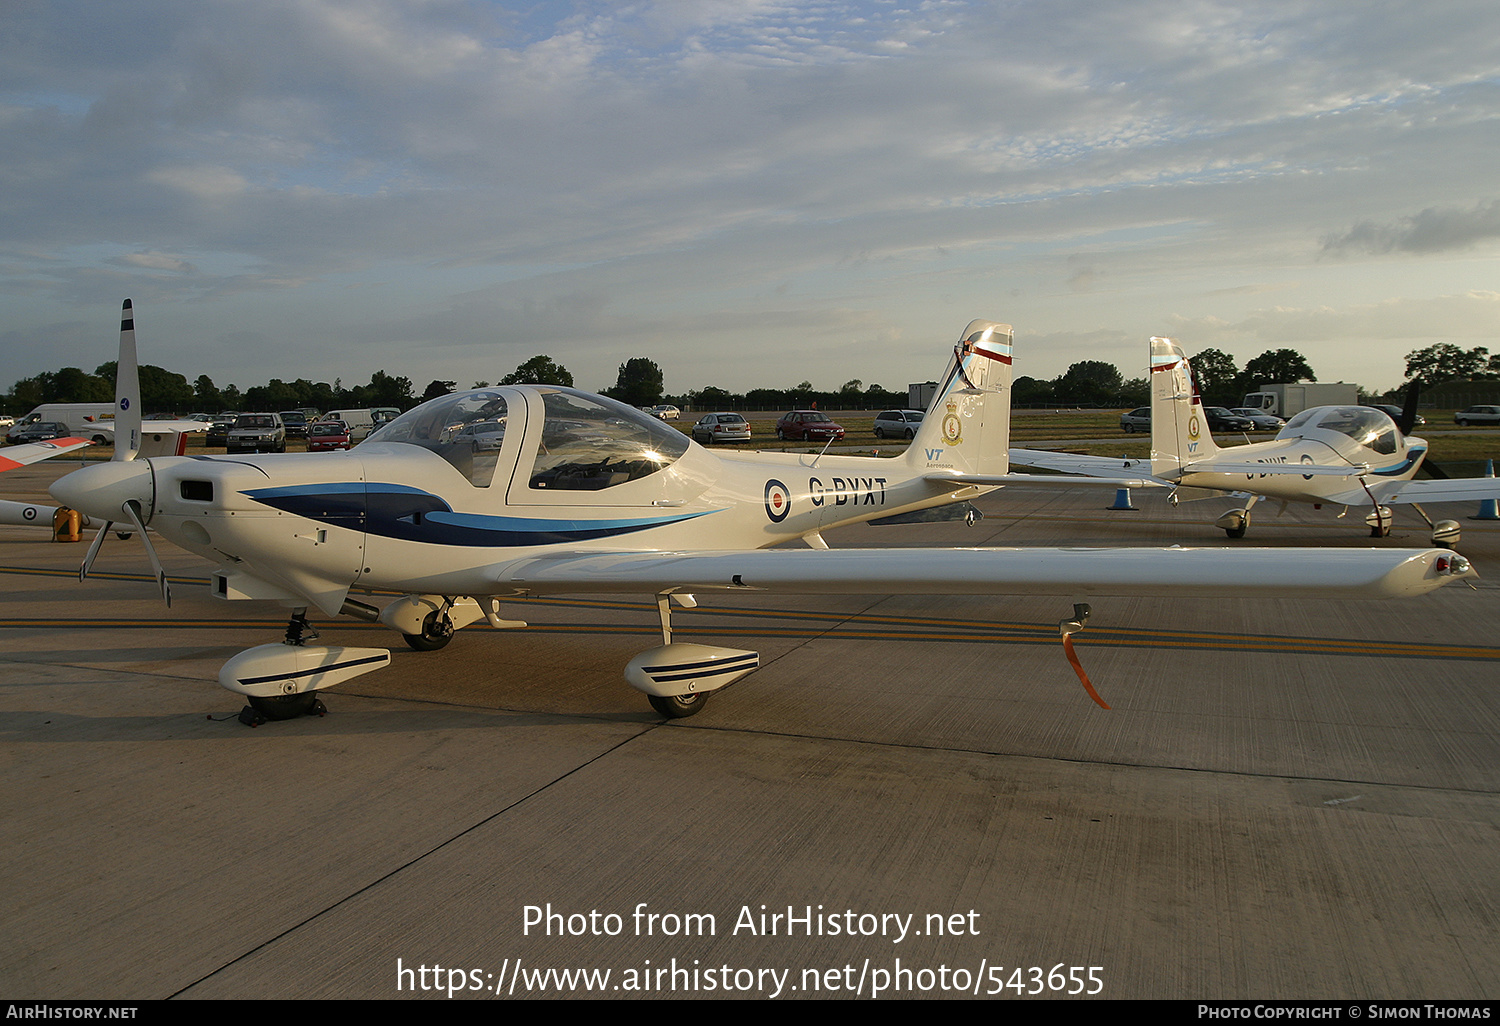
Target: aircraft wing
<point x="30" y="452"/>
<point x="1175" y="571"/>
<point x="1466" y="489"/>
<point x="182" y="427"/>
<point x="1086" y="466"/>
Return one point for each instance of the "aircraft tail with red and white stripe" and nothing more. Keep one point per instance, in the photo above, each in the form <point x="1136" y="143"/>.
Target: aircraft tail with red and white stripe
<point x="967" y="427"/>
<point x="1179" y="430"/>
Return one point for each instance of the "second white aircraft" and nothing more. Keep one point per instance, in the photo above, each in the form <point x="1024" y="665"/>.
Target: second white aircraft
<point x="1342" y="456"/>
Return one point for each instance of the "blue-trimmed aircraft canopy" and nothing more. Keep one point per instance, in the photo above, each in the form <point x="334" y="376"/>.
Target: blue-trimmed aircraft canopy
<point x="588" y="442"/>
<point x="1370" y="427"/>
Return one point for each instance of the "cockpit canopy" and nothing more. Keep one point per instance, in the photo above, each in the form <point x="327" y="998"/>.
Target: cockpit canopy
<point x="1370" y="427"/>
<point x="587" y="442"/>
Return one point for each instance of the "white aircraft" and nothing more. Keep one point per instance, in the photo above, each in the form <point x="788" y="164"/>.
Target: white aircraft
<point x="165" y="438"/>
<point x="31" y="514"/>
<point x="1328" y="455"/>
<point x="575" y="493"/>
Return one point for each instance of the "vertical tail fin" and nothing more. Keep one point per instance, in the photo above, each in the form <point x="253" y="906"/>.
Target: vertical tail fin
<point x="127" y="390"/>
<point x="967" y="427"/>
<point x="1179" y="431"/>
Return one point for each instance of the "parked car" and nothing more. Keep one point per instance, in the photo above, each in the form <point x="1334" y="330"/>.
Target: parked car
<point x="256" y="432"/>
<point x="327" y="436"/>
<point x="721" y="427"/>
<point x="668" y="412"/>
<point x="218" y="431"/>
<point x="1262" y="420"/>
<point x="1138" y="419"/>
<point x="808" y="426"/>
<point x="1394" y="412"/>
<point x="37" y="431"/>
<point x="1478" y="415"/>
<point x="1221" y="419"/>
<point x="482" y="434"/>
<point x="898" y="424"/>
<point x="295" y="422"/>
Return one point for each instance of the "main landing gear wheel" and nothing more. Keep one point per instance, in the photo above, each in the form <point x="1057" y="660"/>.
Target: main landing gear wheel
<point x="1235" y="522"/>
<point x="675" y="707"/>
<point x="437" y="631"/>
<point x="281" y="707"/>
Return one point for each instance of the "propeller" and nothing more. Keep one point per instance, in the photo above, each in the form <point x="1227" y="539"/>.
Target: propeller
<point x="133" y="512"/>
<point x="1408" y="418"/>
<point x="117" y="487"/>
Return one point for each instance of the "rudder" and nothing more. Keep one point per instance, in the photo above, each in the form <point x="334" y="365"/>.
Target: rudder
<point x="967" y="426"/>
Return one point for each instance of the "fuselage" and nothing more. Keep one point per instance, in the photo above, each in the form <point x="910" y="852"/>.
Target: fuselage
<point x="495" y="476"/>
<point x="1363" y="439"/>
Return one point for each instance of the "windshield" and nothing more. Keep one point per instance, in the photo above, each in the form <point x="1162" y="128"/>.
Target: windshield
<point x="1366" y="425"/>
<point x="440" y="425"/>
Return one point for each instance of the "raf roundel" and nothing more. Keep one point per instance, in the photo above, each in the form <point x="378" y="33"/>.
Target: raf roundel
<point x="778" y="501"/>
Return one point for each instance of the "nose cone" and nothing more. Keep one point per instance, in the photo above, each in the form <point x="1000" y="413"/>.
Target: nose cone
<point x="101" y="490"/>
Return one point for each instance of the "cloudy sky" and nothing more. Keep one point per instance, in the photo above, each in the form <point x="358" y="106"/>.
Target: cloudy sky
<point x="749" y="192"/>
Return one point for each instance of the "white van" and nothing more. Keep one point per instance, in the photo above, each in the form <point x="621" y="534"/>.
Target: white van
<point x="361" y="422"/>
<point x="94" y="421"/>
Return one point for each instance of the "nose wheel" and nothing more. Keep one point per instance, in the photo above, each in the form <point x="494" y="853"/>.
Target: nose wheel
<point x="676" y="707"/>
<point x="281" y="707"/>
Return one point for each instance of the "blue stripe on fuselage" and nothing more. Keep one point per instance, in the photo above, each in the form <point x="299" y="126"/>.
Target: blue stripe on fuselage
<point x="410" y="514"/>
<point x="1412" y="456"/>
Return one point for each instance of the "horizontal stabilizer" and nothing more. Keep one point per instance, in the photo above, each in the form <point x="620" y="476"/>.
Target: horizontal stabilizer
<point x="1111" y="467"/>
<point x="1045" y="481"/>
<point x="1305" y="469"/>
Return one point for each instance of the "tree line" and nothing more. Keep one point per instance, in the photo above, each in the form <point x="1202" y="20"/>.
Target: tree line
<point x="640" y="382"/>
